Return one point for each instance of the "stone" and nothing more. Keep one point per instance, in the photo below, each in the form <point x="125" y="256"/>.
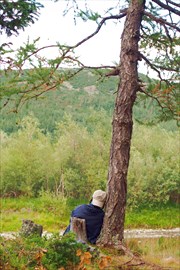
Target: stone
<point x="30" y="228"/>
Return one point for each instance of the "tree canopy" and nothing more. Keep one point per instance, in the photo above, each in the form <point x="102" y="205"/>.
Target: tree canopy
<point x="16" y="15"/>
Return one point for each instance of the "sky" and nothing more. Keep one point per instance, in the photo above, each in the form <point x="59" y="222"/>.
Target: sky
<point x="52" y="26"/>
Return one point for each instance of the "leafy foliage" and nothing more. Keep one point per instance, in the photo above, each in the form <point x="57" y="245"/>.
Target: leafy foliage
<point x="159" y="31"/>
<point x="16" y="15"/>
<point x="41" y="253"/>
<point x="153" y="172"/>
<point x="66" y="254"/>
<point x="73" y="162"/>
<point x="56" y="252"/>
<point x="88" y="100"/>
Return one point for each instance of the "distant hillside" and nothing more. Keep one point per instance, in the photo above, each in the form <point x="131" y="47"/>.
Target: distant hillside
<point x="87" y="98"/>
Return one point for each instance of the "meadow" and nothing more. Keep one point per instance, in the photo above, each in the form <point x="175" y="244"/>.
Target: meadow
<point x="53" y="214"/>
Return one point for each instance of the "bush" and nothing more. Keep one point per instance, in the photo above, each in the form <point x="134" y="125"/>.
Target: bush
<point x="69" y="164"/>
<point x="40" y="253"/>
<point x="153" y="170"/>
<point x="74" y="162"/>
<point x="62" y="252"/>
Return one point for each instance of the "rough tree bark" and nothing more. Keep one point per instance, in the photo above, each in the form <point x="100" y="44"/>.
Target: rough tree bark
<point x="113" y="228"/>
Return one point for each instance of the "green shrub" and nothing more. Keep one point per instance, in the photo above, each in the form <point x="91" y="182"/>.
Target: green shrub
<point x="32" y="252"/>
<point x="24" y="169"/>
<point x="153" y="171"/>
<point x="62" y="252"/>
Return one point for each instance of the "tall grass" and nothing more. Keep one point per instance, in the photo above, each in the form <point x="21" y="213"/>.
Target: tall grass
<point x="160" y="251"/>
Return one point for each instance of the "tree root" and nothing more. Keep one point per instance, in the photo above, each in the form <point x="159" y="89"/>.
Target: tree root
<point x="135" y="260"/>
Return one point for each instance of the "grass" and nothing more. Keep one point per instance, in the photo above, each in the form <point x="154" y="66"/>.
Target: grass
<point x="163" y="252"/>
<point x="167" y="216"/>
<point x="53" y="214"/>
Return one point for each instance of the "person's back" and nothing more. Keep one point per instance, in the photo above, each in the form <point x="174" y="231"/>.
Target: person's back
<point x="93" y="215"/>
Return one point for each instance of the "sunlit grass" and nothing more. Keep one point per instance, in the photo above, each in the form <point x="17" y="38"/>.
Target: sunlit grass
<point x="54" y="213"/>
<point x="160" y="217"/>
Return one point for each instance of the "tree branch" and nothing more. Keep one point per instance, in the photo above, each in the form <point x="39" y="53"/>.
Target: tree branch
<point x="48" y="87"/>
<point x="161" y="21"/>
<point x="23" y="97"/>
<point x="151" y="65"/>
<point x="166" y="68"/>
<point x="116" y="17"/>
<point x="112" y="17"/>
<point x="172" y="3"/>
<point x="38" y="50"/>
<point x="161" y="4"/>
<point x="69" y="48"/>
<point x="170" y="15"/>
<point x="167" y="33"/>
<point x="157" y="100"/>
<point x="89" y="67"/>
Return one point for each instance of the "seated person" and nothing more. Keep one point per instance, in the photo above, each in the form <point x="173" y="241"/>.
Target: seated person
<point x="93" y="215"/>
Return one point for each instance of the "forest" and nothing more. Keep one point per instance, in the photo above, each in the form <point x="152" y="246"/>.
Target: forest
<point x="60" y="143"/>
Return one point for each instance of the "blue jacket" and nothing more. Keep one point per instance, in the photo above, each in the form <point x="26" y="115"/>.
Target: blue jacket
<point x="93" y="216"/>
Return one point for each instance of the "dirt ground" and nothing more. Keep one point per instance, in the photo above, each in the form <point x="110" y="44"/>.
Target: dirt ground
<point x="151" y="233"/>
<point x="131" y="233"/>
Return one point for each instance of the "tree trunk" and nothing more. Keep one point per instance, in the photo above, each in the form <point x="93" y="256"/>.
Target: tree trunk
<point x="113" y="228"/>
<point x="78" y="226"/>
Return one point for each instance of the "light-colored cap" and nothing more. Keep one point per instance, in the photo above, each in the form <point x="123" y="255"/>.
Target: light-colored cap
<point x="99" y="198"/>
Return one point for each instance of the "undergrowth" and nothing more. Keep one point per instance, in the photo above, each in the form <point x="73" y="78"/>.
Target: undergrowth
<point x="64" y="253"/>
<point x="57" y="252"/>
